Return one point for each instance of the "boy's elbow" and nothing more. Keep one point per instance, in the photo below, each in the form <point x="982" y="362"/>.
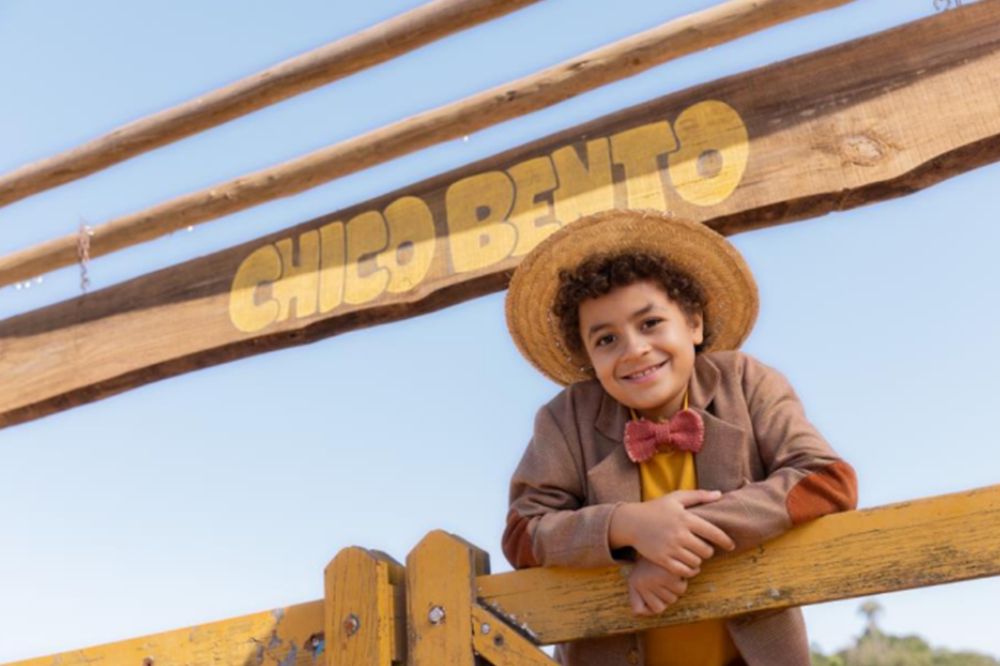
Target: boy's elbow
<point x="516" y="541"/>
<point x="827" y="490"/>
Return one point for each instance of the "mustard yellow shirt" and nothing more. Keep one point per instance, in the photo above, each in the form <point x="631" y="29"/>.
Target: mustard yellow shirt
<point x="700" y="643"/>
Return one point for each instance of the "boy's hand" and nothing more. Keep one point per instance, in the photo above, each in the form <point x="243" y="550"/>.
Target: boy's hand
<point x="666" y="533"/>
<point x="651" y="589"/>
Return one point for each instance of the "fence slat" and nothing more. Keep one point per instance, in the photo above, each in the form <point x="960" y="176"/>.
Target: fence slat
<point x="365" y="616"/>
<point x="440" y="576"/>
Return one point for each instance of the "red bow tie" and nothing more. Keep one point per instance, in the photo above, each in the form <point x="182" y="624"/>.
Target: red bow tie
<point x="683" y="432"/>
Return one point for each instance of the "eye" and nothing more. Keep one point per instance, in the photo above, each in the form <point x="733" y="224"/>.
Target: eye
<point x="651" y="322"/>
<point x="604" y="340"/>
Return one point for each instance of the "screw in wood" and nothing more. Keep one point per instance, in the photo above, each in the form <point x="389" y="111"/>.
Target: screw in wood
<point x="351" y="624"/>
<point x="485" y="628"/>
<point x="436" y="615"/>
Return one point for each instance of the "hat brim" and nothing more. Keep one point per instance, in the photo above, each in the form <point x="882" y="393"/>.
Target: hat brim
<point x="731" y="292"/>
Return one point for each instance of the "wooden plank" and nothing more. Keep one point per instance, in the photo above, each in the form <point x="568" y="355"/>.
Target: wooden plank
<point x="912" y="544"/>
<point x="858" y="123"/>
<point x="440" y="577"/>
<point x="294" y="76"/>
<point x="282" y="636"/>
<point x="365" y="615"/>
<point x="627" y="57"/>
<point x="500" y="645"/>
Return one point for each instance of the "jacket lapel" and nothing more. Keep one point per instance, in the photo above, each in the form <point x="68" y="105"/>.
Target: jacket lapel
<point x="718" y="464"/>
<point x="615" y="478"/>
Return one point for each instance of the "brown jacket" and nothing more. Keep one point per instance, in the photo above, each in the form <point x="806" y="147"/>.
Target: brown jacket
<point x="774" y="468"/>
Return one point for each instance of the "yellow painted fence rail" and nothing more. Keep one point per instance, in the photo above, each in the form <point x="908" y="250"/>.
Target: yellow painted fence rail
<point x="444" y="608"/>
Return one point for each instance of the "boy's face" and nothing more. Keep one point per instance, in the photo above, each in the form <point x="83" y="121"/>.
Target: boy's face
<point x="641" y="345"/>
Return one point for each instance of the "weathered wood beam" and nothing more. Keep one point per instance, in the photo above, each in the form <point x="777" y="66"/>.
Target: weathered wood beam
<point x="289" y="635"/>
<point x="346" y="56"/>
<point x="925" y="542"/>
<point x="627" y="57"/>
<point x="500" y="645"/>
<point x="897" y="547"/>
<point x="858" y="123"/>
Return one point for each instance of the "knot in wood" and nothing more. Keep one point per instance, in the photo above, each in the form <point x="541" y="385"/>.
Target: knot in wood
<point x="862" y="150"/>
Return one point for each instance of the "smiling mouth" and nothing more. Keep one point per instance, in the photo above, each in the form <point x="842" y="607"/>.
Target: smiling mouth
<point x="646" y="372"/>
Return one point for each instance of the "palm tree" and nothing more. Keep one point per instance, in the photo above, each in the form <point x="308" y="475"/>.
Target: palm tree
<point x="870" y="609"/>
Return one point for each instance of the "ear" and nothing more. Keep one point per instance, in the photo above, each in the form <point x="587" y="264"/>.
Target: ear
<point x="697" y="324"/>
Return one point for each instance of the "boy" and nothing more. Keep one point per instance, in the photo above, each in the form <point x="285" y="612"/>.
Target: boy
<point x="667" y="445"/>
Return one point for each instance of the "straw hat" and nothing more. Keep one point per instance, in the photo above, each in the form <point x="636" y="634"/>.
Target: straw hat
<point x="731" y="293"/>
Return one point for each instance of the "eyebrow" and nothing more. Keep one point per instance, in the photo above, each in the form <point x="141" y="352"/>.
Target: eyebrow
<point x="638" y="313"/>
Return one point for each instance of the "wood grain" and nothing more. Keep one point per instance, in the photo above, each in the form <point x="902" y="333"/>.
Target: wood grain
<point x="440" y="577"/>
<point x="627" y="57"/>
<point x="858" y="123"/>
<point x="280" y="636"/>
<point x="294" y="76"/>
<point x="365" y="610"/>
<point x="925" y="542"/>
<point x="501" y="645"/>
<point x="897" y="547"/>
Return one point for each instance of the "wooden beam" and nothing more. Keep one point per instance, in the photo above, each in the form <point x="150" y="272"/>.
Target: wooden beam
<point x="294" y="76"/>
<point x="501" y="645"/>
<point x="289" y="635"/>
<point x="440" y="594"/>
<point x="627" y="57"/>
<point x="897" y="547"/>
<point x="858" y="123"/>
<point x="365" y="609"/>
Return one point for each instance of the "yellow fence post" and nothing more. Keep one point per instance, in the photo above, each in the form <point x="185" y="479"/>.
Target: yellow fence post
<point x="446" y="626"/>
<point x="440" y="594"/>
<point x="364" y="609"/>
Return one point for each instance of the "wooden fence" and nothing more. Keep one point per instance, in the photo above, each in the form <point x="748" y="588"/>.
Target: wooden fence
<point x="444" y="608"/>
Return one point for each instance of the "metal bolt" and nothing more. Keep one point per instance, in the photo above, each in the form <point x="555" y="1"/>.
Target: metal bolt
<point x="315" y="642"/>
<point x="485" y="628"/>
<point x="775" y="593"/>
<point x="436" y="615"/>
<point x="351" y="624"/>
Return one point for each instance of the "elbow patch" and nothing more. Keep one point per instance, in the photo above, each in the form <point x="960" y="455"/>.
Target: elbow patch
<point x="828" y="490"/>
<point x="516" y="541"/>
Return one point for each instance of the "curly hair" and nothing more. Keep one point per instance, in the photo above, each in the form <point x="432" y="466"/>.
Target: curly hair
<point x="598" y="275"/>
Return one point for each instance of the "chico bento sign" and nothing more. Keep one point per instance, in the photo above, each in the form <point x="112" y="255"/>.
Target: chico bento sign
<point x="487" y="219"/>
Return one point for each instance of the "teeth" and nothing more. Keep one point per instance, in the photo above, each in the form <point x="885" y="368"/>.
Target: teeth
<point x="648" y="371"/>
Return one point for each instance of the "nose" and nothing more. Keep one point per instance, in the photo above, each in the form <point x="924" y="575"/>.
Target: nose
<point x="635" y="345"/>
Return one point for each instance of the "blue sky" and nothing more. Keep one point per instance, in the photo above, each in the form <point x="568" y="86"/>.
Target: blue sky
<point x="227" y="490"/>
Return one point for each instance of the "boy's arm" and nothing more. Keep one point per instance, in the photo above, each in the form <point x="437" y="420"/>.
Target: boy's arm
<point x="806" y="478"/>
<point x="548" y="524"/>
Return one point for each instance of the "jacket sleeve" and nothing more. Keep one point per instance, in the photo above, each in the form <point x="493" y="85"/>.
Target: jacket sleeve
<point x="805" y="478"/>
<point x="548" y="523"/>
